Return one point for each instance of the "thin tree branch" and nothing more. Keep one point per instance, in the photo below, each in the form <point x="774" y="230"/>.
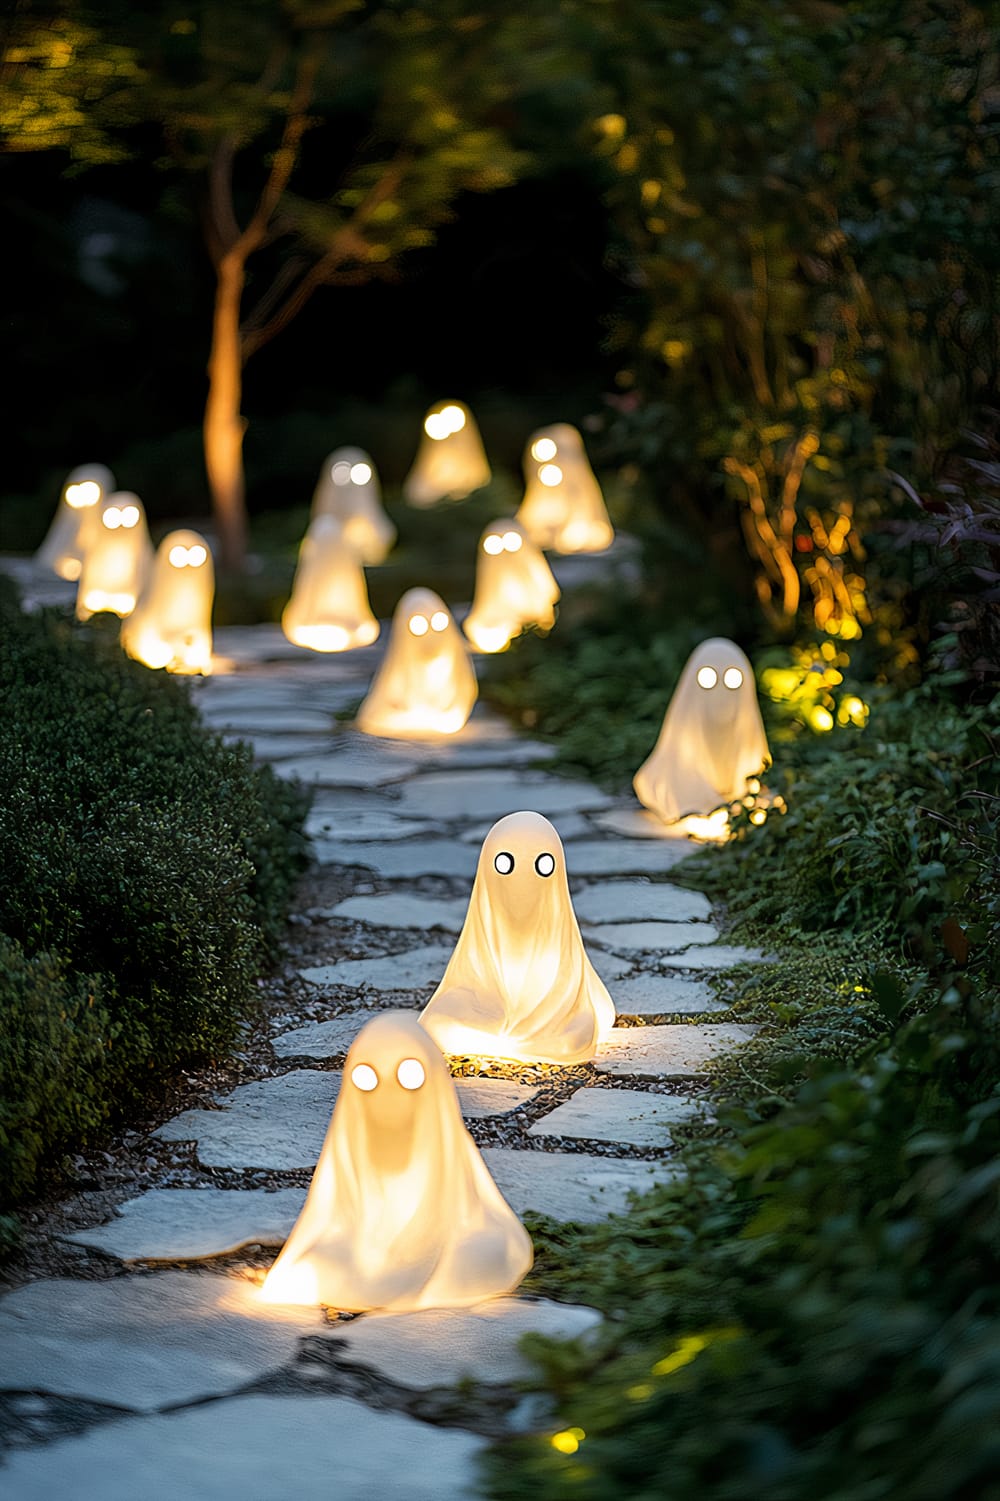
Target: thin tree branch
<point x="283" y="162"/>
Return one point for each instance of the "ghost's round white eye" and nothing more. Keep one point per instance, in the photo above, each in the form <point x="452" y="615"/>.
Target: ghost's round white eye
<point x="503" y="863"/>
<point x="418" y="625"/>
<point x="454" y="417"/>
<point x="178" y="556"/>
<point x="340" y="473"/>
<point x="542" y="449"/>
<point x="512" y="541"/>
<point x="550" y="474"/>
<point x="439" y="621"/>
<point x="493" y="544"/>
<point x="545" y="864"/>
<point x="732" y="677"/>
<point x="130" y="516"/>
<point x="112" y="518"/>
<point x="361" y="473"/>
<point x="364" y="1077"/>
<point x="197" y="555"/>
<point x="436" y="426"/>
<point x="410" y="1073"/>
<point x="86" y="493"/>
<point x="707" y="677"/>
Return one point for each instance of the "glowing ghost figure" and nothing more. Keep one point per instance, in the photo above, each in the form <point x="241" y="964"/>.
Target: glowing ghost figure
<point x="520" y="984"/>
<point x="118" y="558"/>
<point x="514" y="588"/>
<point x="451" y="461"/>
<point x="349" y="490"/>
<point x="328" y="609"/>
<point x="402" y="1212"/>
<point x="426" y="684"/>
<point x="72" y="526"/>
<point x="711" y="741"/>
<point x="563" y="508"/>
<point x="171" y="626"/>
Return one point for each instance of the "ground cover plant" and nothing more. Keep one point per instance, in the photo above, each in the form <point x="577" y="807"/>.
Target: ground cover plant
<point x="147" y="868"/>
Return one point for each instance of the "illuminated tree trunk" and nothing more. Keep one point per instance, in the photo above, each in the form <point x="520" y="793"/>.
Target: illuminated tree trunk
<point x="224" y="425"/>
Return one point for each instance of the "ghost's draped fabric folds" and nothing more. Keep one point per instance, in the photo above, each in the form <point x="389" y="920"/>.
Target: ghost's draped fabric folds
<point x="520" y="984"/>
<point x="712" y="738"/>
<point x="402" y="1212"/>
<point x="451" y="461"/>
<point x="171" y="626"/>
<point x="426" y="685"/>
<point x="563" y="508"/>
<point x="328" y="609"/>
<point x="72" y="528"/>
<point x="514" y="588"/>
<point x="348" y="489"/>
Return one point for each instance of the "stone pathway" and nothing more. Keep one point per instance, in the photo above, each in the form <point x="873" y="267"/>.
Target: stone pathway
<point x="167" y="1382"/>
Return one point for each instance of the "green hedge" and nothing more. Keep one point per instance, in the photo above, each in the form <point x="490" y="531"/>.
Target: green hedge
<point x="138" y="850"/>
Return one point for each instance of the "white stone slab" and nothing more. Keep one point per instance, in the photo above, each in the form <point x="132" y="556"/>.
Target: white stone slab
<point x="500" y="751"/>
<point x="610" y="967"/>
<point x="491" y="794"/>
<point x="573" y="1185"/>
<point x="349" y="825"/>
<point x="413" y="970"/>
<point x="656" y="995"/>
<point x="185" y="1224"/>
<point x="445" y="1346"/>
<point x="254" y="1448"/>
<point x="421" y="857"/>
<point x="329" y="1039"/>
<point x="633" y="1116"/>
<point x="639" y="823"/>
<point x="142" y="1342"/>
<point x="405" y="909"/>
<point x="653" y="937"/>
<point x="667" y="1052"/>
<point x="283" y="747"/>
<point x="480" y="1098"/>
<point x="348" y="767"/>
<point x="717" y="956"/>
<point x="622" y="857"/>
<point x="272" y="1123"/>
<point x="640" y="901"/>
<point x="274" y="720"/>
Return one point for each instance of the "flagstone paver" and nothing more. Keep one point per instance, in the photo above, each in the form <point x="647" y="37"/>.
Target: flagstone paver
<point x="146" y="1342"/>
<point x="272" y="1123"/>
<point x="263" y="721"/>
<point x="630" y="1115"/>
<point x="419" y="857"/>
<point x="350" y="825"/>
<point x="404" y="909"/>
<point x="640" y="901"/>
<point x="444" y="1346"/>
<point x="658" y="995"/>
<point x="181" y="1224"/>
<point x="414" y="969"/>
<point x="348" y="766"/>
<point x="573" y="1185"/>
<point x="638" y="823"/>
<point x="667" y="1052"/>
<point x="254" y="1448"/>
<point x="484" y="1097"/>
<point x="281" y="747"/>
<point x="329" y="1039"/>
<point x="492" y="794"/>
<point x="623" y="857"/>
<point x="654" y="937"/>
<point x="718" y="956"/>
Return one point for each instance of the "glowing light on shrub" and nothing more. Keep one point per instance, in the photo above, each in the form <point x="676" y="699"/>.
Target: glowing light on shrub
<point x="171" y="626"/>
<point x="450" y="461"/>
<point x="519" y="983"/>
<point x="402" y="1212"/>
<point x="329" y="610"/>
<point x="568" y="1441"/>
<point x="821" y="719"/>
<point x="425" y="685"/>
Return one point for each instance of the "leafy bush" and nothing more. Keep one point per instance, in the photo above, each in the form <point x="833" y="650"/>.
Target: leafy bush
<point x="138" y="849"/>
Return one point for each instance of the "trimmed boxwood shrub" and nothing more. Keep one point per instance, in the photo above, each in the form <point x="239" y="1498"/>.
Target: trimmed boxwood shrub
<point x="138" y="849"/>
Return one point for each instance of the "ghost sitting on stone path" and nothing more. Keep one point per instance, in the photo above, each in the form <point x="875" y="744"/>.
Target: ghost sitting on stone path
<point x="563" y="507"/>
<point x="328" y="609"/>
<point x="348" y="489"/>
<point x="520" y="984"/>
<point x="72" y="526"/>
<point x="171" y="626"/>
<point x="117" y="559"/>
<point x="514" y="588"/>
<point x="712" y="739"/>
<point x="451" y="461"/>
<point x="402" y="1212"/>
<point x="426" y="685"/>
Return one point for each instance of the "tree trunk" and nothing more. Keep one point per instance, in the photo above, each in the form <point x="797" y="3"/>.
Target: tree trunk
<point x="223" y="425"/>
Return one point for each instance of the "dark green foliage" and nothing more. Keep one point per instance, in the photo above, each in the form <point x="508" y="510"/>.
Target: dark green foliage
<point x="137" y="849"/>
